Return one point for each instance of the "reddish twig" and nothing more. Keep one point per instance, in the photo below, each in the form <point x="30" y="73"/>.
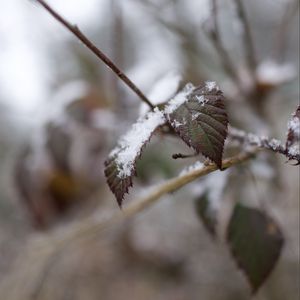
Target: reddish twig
<point x="75" y="30"/>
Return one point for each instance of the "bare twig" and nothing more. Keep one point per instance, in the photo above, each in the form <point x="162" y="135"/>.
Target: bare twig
<point x="247" y="38"/>
<point x="291" y="11"/>
<point x="75" y="30"/>
<point x="92" y="225"/>
<point x="53" y="246"/>
<point x="218" y="44"/>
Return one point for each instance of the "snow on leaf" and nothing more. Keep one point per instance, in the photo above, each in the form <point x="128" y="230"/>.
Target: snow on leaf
<point x="293" y="134"/>
<point x="255" y="242"/>
<point x="200" y="119"/>
<point x="120" y="165"/>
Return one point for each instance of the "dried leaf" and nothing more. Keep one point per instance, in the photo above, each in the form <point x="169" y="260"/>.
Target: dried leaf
<point x="120" y="166"/>
<point x="255" y="241"/>
<point x="201" y="121"/>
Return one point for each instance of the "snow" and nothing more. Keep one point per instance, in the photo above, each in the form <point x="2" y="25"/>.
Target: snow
<point x="294" y="126"/>
<point x="294" y="150"/>
<point x="179" y="99"/>
<point x="211" y="85"/>
<point x="130" y="145"/>
<point x="275" y="144"/>
<point x="176" y="124"/>
<point x="195" y="116"/>
<point x="196" y="166"/>
<point x="273" y="73"/>
<point x="201" y="99"/>
<point x="254" y="140"/>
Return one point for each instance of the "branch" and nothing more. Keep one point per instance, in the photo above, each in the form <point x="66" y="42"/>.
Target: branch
<point x="248" y="41"/>
<point x="93" y="225"/>
<point x="251" y="139"/>
<point x="218" y="44"/>
<point x="291" y="11"/>
<point x="75" y="30"/>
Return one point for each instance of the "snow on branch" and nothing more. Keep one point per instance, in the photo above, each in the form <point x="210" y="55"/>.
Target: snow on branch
<point x="250" y="139"/>
<point x="293" y="135"/>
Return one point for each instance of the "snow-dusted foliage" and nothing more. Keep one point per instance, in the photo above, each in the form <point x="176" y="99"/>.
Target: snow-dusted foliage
<point x="120" y="165"/>
<point x="197" y="115"/>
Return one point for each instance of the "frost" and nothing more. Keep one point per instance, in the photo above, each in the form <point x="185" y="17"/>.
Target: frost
<point x="275" y="144"/>
<point x="130" y="145"/>
<point x="294" y="126"/>
<point x="272" y="73"/>
<point x="294" y="150"/>
<point x="201" y="99"/>
<point x="176" y="124"/>
<point x="211" y="85"/>
<point x="196" y="166"/>
<point x="195" y="116"/>
<point x="179" y="99"/>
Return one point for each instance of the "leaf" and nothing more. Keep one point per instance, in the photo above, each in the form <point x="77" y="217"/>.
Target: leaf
<point x="201" y="121"/>
<point x="293" y="134"/>
<point x="255" y="241"/>
<point x="206" y="215"/>
<point x="120" y="165"/>
<point x="59" y="145"/>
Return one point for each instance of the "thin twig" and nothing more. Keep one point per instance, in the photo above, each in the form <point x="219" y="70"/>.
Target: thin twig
<point x="75" y="30"/>
<point x="247" y="38"/>
<point x="250" y="139"/>
<point x="217" y="41"/>
<point x="92" y="225"/>
<point x="291" y="11"/>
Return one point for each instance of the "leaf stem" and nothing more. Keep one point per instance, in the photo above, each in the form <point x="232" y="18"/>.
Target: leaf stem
<point x="76" y="31"/>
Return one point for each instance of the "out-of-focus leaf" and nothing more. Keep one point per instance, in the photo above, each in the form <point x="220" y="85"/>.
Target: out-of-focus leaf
<point x="58" y="145"/>
<point x="206" y="215"/>
<point x="201" y="121"/>
<point x="255" y="241"/>
<point x="120" y="166"/>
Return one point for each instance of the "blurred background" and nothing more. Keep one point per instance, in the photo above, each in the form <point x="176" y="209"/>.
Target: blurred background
<point x="62" y="111"/>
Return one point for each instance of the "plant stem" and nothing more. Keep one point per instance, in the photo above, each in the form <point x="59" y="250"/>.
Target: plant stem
<point x="248" y="41"/>
<point x="215" y="36"/>
<point x="76" y="31"/>
<point x="92" y="225"/>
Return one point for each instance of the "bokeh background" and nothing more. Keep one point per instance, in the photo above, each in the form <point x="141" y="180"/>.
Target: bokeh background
<point x="62" y="111"/>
